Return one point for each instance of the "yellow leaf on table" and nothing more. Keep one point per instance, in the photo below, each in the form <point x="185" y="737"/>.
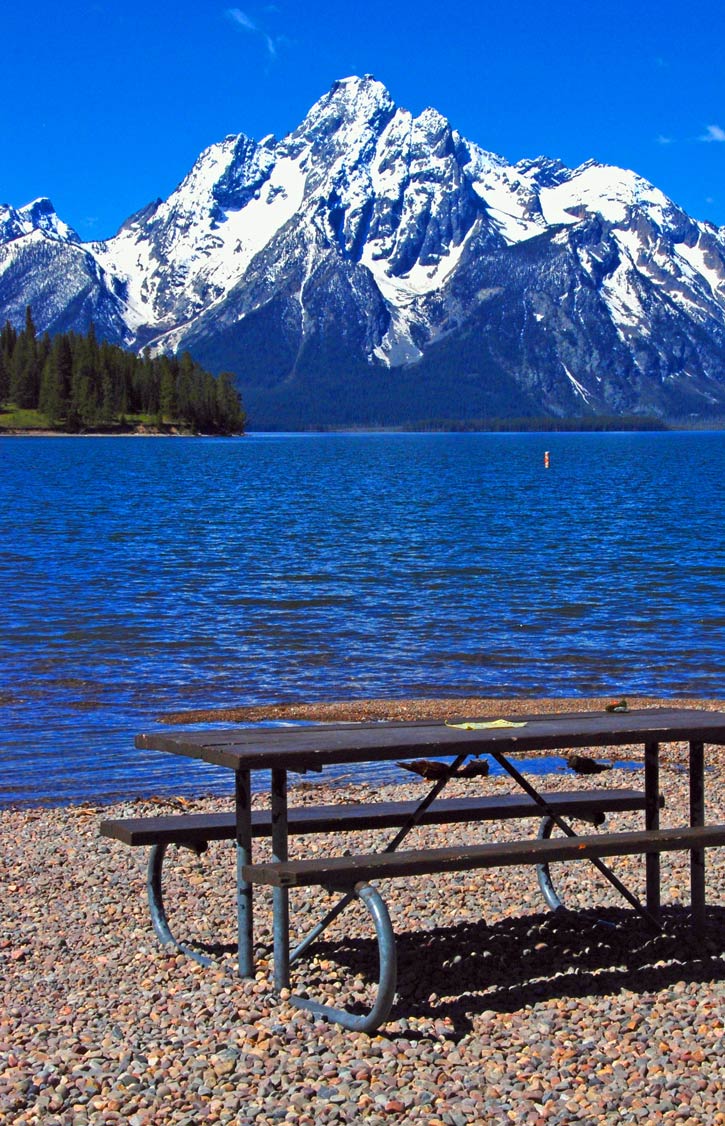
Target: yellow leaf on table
<point x="488" y="723"/>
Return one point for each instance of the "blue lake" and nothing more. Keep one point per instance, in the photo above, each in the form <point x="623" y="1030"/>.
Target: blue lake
<point x="143" y="576"/>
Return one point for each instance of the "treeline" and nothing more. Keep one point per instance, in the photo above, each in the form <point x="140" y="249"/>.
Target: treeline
<point x="78" y="382"/>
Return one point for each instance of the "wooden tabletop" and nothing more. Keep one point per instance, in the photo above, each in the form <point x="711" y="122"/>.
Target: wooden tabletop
<point x="315" y="746"/>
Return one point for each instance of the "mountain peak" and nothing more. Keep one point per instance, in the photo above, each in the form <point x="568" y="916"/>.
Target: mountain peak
<point x="38" y="208"/>
<point x="369" y="239"/>
<point x="349" y="103"/>
<point x="355" y="86"/>
<point x="38" y="215"/>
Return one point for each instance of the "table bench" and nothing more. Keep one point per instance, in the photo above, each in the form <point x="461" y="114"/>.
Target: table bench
<point x="196" y="830"/>
<point x="351" y="875"/>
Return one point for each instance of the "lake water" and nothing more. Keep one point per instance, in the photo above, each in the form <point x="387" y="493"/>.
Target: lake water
<point x="143" y="576"/>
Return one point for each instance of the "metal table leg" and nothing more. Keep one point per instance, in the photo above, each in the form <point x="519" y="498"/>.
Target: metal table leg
<point x="387" y="975"/>
<point x="652" y="821"/>
<point x="280" y="896"/>
<point x="697" y="817"/>
<point x="245" y="921"/>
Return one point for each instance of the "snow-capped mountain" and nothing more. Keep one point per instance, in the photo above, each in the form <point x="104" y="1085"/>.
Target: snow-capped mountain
<point x="373" y="266"/>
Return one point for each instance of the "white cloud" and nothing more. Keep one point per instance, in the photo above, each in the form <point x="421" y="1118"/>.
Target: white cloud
<point x="714" y="133"/>
<point x="662" y="140"/>
<point x="241" y="19"/>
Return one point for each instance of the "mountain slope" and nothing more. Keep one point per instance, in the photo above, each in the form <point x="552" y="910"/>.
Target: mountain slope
<point x="376" y="267"/>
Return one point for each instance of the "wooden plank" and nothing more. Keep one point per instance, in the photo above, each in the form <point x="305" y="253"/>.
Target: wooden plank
<point x="343" y="872"/>
<point x="187" y="828"/>
<point x="194" y="828"/>
<point x="312" y="747"/>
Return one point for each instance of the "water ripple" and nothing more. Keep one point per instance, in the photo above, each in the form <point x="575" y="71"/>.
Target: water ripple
<point x="139" y="578"/>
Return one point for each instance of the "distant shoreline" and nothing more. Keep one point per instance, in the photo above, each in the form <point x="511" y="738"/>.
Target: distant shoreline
<point x="542" y="426"/>
<point x="145" y="433"/>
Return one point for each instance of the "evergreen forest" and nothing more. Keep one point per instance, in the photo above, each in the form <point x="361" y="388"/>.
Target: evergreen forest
<point x="77" y="383"/>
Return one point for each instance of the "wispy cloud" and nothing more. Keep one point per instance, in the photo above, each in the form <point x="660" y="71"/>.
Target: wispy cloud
<point x="713" y="133"/>
<point x="241" y="19"/>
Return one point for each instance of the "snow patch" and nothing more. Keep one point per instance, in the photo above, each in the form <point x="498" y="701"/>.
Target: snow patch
<point x="246" y="232"/>
<point x="397" y="346"/>
<point x="602" y="190"/>
<point x="698" y="260"/>
<point x="578" y="387"/>
<point x="510" y="196"/>
<point x="623" y="300"/>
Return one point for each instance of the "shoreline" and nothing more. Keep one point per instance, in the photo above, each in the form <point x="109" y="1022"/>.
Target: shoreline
<point x="413" y="708"/>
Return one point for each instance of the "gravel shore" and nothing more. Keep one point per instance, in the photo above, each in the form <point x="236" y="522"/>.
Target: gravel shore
<point x="505" y="1011"/>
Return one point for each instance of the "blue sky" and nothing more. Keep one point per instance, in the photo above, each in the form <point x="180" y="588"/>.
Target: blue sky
<point x="105" y="106"/>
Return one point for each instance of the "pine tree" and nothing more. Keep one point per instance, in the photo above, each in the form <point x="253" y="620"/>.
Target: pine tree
<point x="4" y="379"/>
<point x="185" y="387"/>
<point x="25" y="368"/>
<point x="83" y="403"/>
<point x="167" y="389"/>
<point x="8" y="338"/>
<point x="49" y="400"/>
<point x="149" y="376"/>
<point x="62" y="358"/>
<point x="229" y="406"/>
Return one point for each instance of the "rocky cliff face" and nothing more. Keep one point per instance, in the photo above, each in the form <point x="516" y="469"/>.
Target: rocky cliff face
<point x="375" y="267"/>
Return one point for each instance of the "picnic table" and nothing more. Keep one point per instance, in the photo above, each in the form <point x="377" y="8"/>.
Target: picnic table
<point x="279" y="751"/>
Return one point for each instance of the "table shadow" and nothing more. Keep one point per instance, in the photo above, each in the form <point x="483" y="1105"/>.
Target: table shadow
<point x="459" y="971"/>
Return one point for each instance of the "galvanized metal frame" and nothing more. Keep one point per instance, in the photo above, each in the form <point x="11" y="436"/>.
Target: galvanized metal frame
<point x="697" y="818"/>
<point x="385" y="935"/>
<point x="387" y="975"/>
<point x="652" y="821"/>
<point x="245" y="905"/>
<point x="569" y="832"/>
<point x="543" y="871"/>
<point x="155" y="893"/>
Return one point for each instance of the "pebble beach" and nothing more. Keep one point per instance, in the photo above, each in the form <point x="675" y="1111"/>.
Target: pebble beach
<point x="505" y="1011"/>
